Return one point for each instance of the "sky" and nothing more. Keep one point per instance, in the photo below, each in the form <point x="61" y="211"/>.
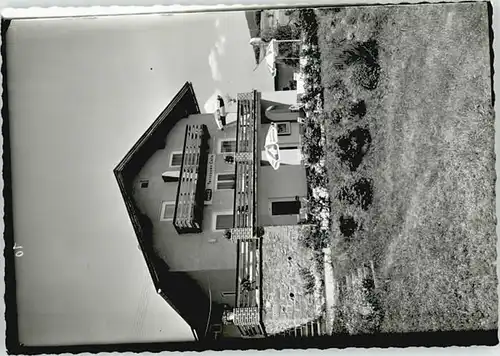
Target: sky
<point x="82" y="91"/>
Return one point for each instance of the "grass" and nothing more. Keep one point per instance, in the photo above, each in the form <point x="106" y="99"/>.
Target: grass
<point x="427" y="219"/>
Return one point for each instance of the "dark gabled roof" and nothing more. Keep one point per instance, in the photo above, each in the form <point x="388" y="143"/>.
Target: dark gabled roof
<point x="183" y="104"/>
<point x="186" y="91"/>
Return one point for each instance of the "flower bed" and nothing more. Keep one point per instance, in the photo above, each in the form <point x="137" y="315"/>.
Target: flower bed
<point x="313" y="138"/>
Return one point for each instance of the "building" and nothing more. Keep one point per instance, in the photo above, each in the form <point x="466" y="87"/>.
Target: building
<point x="184" y="195"/>
<point x="282" y="67"/>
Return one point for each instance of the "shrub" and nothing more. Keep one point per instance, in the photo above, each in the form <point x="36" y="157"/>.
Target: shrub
<point x="308" y="278"/>
<point x="371" y="297"/>
<point x="360" y="312"/>
<point x="363" y="56"/>
<point x="306" y="240"/>
<point x="358" y="109"/>
<point x="348" y="225"/>
<point x="259" y="231"/>
<point x="362" y="53"/>
<point x="227" y="234"/>
<point x="284" y="32"/>
<point x="361" y="192"/>
<point x="311" y="52"/>
<point x="337" y="86"/>
<point x="353" y="146"/>
<point x="309" y="25"/>
<point x="281" y="32"/>
<point x="366" y="76"/>
<point x="316" y="180"/>
<point x="320" y="238"/>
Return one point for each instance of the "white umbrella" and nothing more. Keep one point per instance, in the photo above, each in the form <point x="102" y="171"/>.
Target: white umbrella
<point x="219" y="111"/>
<point x="271" y="147"/>
<point x="270" y="57"/>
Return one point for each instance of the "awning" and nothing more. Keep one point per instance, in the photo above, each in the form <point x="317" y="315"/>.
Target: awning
<point x="271" y="147"/>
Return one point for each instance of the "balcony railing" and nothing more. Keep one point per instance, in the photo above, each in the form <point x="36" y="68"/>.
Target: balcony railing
<point x="189" y="202"/>
<point x="247" y="127"/>
<point x="247" y="312"/>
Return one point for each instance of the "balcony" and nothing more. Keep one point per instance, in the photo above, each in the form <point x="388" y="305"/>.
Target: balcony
<point x="247" y="312"/>
<point x="247" y="152"/>
<point x="189" y="203"/>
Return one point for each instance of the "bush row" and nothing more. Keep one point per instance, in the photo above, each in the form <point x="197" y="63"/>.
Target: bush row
<point x="313" y="138"/>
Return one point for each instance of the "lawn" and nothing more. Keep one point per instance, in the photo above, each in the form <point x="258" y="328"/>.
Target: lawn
<point x="410" y="160"/>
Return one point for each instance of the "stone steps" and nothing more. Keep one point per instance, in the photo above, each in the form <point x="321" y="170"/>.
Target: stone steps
<point x="311" y="329"/>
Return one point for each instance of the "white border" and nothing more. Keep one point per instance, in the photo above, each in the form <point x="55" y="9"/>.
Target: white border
<point x="15" y="12"/>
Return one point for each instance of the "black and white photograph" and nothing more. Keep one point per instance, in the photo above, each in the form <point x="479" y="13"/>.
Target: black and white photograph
<point x="254" y="178"/>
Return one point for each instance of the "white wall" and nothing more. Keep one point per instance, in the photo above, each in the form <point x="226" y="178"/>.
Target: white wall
<point x="82" y="91"/>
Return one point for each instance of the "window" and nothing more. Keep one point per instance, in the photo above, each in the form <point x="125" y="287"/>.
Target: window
<point x="283" y="128"/>
<point x="223" y="221"/>
<point x="227" y="146"/>
<point x="167" y="211"/>
<point x="144" y="183"/>
<point x="176" y="159"/>
<point x="226" y="181"/>
<point x="228" y="294"/>
<point x="290" y="207"/>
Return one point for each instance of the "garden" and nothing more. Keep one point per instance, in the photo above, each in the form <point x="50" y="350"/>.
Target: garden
<point x="399" y="149"/>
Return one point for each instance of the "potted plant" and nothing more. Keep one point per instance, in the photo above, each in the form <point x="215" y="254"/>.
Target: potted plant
<point x="227" y="234"/>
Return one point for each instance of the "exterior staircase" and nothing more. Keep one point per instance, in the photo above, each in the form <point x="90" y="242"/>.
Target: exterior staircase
<point x="311" y="329"/>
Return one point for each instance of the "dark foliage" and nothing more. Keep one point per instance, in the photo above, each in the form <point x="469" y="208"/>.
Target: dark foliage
<point x="309" y="25"/>
<point x="363" y="56"/>
<point x="312" y="53"/>
<point x="285" y="32"/>
<point x="348" y="226"/>
<point x="336" y="115"/>
<point x="366" y="76"/>
<point x="372" y="298"/>
<point x="317" y="180"/>
<point x="359" y="109"/>
<point x="316" y="239"/>
<point x="362" y="53"/>
<point x="259" y="231"/>
<point x="281" y="32"/>
<point x="311" y="145"/>
<point x="368" y="285"/>
<point x="353" y="147"/>
<point x="308" y="278"/>
<point x="361" y="192"/>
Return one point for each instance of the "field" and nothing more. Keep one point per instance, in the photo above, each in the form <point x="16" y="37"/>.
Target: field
<point x="410" y="159"/>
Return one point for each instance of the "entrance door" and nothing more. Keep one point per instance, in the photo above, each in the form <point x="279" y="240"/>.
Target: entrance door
<point x="287" y="207"/>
